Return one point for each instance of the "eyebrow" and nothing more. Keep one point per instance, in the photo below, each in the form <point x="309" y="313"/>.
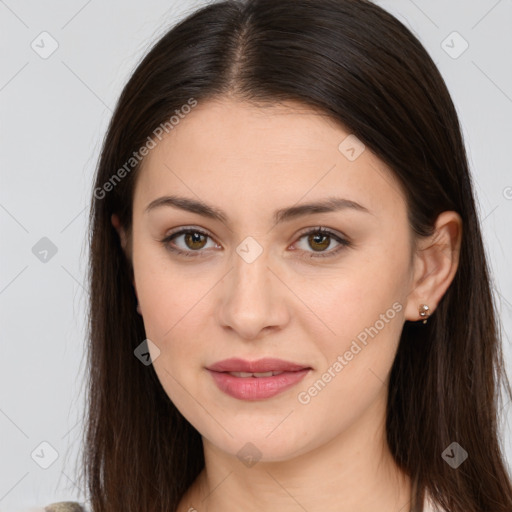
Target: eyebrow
<point x="330" y="204"/>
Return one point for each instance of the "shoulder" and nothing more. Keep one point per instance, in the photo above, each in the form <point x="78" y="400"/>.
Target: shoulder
<point x="65" y="506"/>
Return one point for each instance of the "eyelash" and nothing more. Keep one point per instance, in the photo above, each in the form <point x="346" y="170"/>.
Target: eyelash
<point x="194" y="254"/>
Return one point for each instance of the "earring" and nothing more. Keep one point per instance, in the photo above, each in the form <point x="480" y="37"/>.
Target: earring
<point x="423" y="310"/>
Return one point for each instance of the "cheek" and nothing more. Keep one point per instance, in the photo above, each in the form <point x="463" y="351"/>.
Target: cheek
<point x="363" y="307"/>
<point x="172" y="308"/>
<point x="163" y="293"/>
<point x="365" y="312"/>
<point x="355" y="296"/>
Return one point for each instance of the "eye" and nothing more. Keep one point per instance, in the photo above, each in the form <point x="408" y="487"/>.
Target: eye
<point x="319" y="239"/>
<point x="195" y="240"/>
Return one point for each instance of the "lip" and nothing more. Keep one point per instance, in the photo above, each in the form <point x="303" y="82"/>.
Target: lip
<point x="256" y="388"/>
<point x="266" y="364"/>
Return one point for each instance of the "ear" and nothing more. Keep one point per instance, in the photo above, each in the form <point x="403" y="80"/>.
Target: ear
<point x="114" y="219"/>
<point x="436" y="260"/>
<point x="120" y="230"/>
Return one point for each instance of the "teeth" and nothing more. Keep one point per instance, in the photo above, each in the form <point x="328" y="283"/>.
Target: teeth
<point x="261" y="374"/>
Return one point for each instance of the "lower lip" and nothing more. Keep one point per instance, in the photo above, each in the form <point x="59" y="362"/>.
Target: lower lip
<point x="256" y="388"/>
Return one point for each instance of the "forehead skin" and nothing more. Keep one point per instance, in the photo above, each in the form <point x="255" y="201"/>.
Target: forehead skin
<point x="250" y="160"/>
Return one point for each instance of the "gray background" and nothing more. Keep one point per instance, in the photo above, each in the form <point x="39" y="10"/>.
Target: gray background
<point x="54" y="113"/>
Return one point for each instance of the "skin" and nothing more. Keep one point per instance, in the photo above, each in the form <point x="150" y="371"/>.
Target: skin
<point x="329" y="454"/>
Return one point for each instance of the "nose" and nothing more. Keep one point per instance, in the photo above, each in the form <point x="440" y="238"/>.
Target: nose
<point x="253" y="298"/>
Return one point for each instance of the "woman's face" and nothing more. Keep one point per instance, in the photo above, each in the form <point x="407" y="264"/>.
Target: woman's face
<point x="260" y="286"/>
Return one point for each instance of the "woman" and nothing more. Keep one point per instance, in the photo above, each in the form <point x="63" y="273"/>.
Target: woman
<point x="290" y="301"/>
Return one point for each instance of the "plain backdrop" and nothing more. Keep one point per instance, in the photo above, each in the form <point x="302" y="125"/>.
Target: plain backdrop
<point x="54" y="112"/>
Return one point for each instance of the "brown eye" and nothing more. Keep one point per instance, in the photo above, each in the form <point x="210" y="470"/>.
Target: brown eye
<point x="319" y="241"/>
<point x="193" y="240"/>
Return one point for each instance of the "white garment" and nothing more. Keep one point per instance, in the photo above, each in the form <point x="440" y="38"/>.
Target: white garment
<point x="428" y="505"/>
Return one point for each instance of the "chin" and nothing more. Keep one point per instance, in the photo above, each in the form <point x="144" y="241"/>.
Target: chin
<point x="251" y="444"/>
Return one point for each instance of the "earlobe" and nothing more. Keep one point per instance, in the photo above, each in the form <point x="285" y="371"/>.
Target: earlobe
<point x="435" y="262"/>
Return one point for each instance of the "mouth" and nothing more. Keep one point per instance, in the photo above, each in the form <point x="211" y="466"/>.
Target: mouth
<point x="245" y="375"/>
<point x="264" y="365"/>
<point x="256" y="380"/>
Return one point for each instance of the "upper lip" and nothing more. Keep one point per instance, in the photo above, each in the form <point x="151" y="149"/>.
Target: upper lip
<point x="266" y="364"/>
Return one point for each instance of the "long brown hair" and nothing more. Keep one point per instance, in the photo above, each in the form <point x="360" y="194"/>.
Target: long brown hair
<point x="359" y="65"/>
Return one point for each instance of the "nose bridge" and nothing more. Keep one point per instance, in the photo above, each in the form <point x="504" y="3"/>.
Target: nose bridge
<point x="251" y="302"/>
<point x="251" y="275"/>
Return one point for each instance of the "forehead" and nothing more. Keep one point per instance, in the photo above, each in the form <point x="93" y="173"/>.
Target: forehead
<point x="264" y="157"/>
